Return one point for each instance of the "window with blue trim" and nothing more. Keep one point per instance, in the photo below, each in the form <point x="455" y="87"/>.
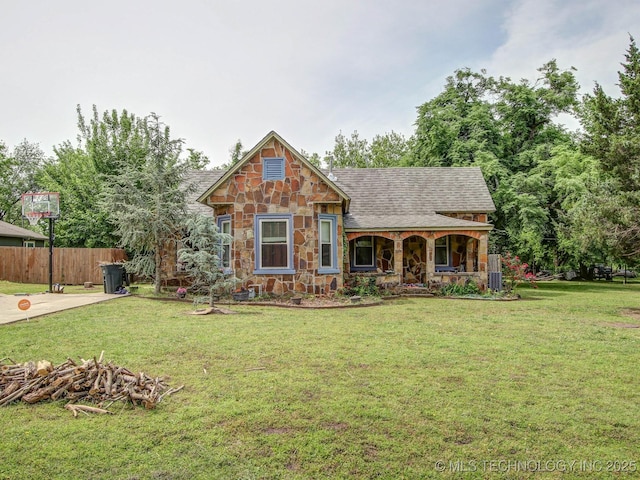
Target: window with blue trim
<point x="328" y="244"/>
<point x="224" y="227"/>
<point x="274" y="244"/>
<point x="273" y="168"/>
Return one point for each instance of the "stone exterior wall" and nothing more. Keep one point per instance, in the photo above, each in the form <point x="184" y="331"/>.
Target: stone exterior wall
<point x="304" y="195"/>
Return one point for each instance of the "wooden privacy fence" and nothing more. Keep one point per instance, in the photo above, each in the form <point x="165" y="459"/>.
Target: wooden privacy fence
<point x="71" y="266"/>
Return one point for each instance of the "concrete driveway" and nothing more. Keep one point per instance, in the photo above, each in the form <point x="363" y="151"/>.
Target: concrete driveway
<point x="45" y="303"/>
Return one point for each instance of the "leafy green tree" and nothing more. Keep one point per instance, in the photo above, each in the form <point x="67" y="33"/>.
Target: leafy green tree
<point x="458" y="125"/>
<point x="612" y="136"/>
<point x="386" y="150"/>
<point x="571" y="176"/>
<point x="507" y="129"/>
<point x="313" y="158"/>
<point x="19" y="171"/>
<point x="7" y="198"/>
<point x="202" y="255"/>
<point x="349" y="152"/>
<point x="235" y="155"/>
<point x="82" y="223"/>
<point x="197" y="160"/>
<point x="106" y="142"/>
<point x="146" y="198"/>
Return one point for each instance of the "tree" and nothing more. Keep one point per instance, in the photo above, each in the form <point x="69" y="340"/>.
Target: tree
<point x="197" y="160"/>
<point x="146" y="198"/>
<point x="314" y="158"/>
<point x="387" y="150"/>
<point x="19" y="171"/>
<point x="107" y="142"/>
<point x="459" y="124"/>
<point x="235" y="155"/>
<point x="82" y="223"/>
<point x="612" y="136"/>
<point x="202" y="254"/>
<point x="507" y="129"/>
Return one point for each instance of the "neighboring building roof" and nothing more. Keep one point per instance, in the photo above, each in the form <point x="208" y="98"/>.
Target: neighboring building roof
<point x="251" y="153"/>
<point x="9" y="230"/>
<point x="412" y="197"/>
<point x="202" y="180"/>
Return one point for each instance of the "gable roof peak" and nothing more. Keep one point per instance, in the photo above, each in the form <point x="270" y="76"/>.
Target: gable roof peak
<point x="256" y="149"/>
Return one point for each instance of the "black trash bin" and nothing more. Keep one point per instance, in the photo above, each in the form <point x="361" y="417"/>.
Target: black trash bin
<point x="112" y="276"/>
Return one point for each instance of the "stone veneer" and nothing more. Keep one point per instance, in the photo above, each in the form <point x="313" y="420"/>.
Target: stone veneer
<point x="304" y="195"/>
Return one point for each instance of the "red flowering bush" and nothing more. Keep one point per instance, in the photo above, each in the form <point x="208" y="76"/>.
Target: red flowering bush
<point x="515" y="272"/>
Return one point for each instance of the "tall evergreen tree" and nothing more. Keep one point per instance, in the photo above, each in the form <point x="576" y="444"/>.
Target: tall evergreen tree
<point x="202" y="254"/>
<point x="612" y="136"/>
<point x="146" y="201"/>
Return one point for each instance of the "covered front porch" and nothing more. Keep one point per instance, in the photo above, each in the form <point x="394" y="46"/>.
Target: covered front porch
<point x="419" y="258"/>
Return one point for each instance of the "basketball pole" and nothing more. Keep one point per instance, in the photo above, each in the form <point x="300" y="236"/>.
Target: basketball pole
<point x="50" y="254"/>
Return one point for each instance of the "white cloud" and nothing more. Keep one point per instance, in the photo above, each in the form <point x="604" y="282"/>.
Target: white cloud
<point x="591" y="36"/>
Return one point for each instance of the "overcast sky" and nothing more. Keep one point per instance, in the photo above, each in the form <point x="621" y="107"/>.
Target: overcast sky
<point x="219" y="71"/>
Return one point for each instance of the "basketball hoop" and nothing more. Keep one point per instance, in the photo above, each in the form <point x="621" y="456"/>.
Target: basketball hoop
<point x="33" y="217"/>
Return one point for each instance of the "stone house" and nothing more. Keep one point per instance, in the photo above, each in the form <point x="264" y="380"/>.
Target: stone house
<point x="297" y="228"/>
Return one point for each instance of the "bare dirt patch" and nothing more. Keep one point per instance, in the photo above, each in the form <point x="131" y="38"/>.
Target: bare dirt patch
<point x="633" y="313"/>
<point x="212" y="310"/>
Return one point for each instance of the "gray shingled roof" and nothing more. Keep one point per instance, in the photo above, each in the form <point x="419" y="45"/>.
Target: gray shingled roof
<point x="403" y="198"/>
<point x="9" y="230"/>
<point x="202" y="179"/>
<point x="393" y="198"/>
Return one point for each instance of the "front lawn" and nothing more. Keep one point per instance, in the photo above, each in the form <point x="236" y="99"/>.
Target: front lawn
<point x="489" y="389"/>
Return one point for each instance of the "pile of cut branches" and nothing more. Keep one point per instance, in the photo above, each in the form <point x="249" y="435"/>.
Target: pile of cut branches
<point x="89" y="380"/>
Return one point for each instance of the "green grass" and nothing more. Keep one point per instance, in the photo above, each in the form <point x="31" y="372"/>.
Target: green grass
<point x="379" y="392"/>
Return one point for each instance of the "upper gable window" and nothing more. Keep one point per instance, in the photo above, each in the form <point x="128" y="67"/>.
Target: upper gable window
<point x="273" y="168"/>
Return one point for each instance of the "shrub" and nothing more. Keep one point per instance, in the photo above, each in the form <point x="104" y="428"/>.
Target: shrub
<point x="363" y="286"/>
<point x="455" y="290"/>
<point x="515" y="272"/>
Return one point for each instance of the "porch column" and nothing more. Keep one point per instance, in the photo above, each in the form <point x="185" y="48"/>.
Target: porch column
<point x="431" y="260"/>
<point x="483" y="258"/>
<point x="471" y="254"/>
<point x="397" y="256"/>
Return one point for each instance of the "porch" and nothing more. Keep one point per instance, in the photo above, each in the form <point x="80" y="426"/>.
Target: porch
<point x="418" y="258"/>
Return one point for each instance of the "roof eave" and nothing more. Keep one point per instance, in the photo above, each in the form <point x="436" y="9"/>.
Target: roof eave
<point x="483" y="227"/>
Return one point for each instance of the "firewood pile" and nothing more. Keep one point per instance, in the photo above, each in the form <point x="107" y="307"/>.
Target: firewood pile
<point x="90" y="381"/>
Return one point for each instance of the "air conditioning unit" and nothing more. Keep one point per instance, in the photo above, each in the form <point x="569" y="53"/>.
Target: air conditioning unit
<point x="495" y="281"/>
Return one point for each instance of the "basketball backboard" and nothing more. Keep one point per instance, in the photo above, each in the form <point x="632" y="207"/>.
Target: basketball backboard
<point x="37" y="205"/>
